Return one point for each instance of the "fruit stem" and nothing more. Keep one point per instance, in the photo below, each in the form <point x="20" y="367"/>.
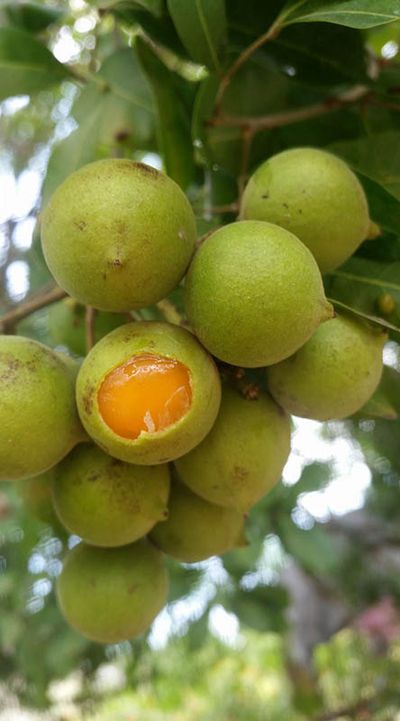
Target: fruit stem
<point x="90" y="318"/>
<point x="170" y="312"/>
<point x="40" y="300"/>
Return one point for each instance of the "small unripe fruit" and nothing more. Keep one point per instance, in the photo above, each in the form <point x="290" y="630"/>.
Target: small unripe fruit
<point x="37" y="497"/>
<point x="148" y="392"/>
<point x="196" y="529"/>
<point x="316" y="196"/>
<point x="243" y="456"/>
<point x="118" y="235"/>
<point x="112" y="594"/>
<point x="254" y="294"/>
<point x="107" y="502"/>
<point x="333" y="374"/>
<point x="386" y="304"/>
<point x="39" y="423"/>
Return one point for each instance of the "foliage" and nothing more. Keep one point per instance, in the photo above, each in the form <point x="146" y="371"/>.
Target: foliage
<point x="173" y="83"/>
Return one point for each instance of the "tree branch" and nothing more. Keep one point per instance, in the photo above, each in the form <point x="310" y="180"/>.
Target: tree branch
<point x="345" y="711"/>
<point x="170" y="312"/>
<point x="271" y="33"/>
<point x="21" y="311"/>
<point x="288" y="117"/>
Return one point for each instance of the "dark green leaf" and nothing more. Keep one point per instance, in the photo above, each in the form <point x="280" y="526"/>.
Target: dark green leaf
<point x="376" y="156"/>
<point x="155" y="7"/>
<point x="385" y="402"/>
<point x="26" y="65"/>
<point x="175" y="140"/>
<point x="352" y="13"/>
<point x="31" y="16"/>
<point x="201" y="25"/>
<point x="384" y="208"/>
<point x="315" y="549"/>
<point x="334" y="55"/>
<point x="374" y="319"/>
<point x="117" y="103"/>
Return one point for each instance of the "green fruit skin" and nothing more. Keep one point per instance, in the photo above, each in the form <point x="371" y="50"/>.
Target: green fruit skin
<point x="118" y="235"/>
<point x="161" y="339"/>
<point x="314" y="195"/>
<point x="333" y="375"/>
<point x="37" y="497"/>
<point x="39" y="423"/>
<point x="196" y="529"/>
<point x="254" y="294"/>
<point x="243" y="456"/>
<point x="112" y="594"/>
<point x="108" y="502"/>
<point x="66" y="322"/>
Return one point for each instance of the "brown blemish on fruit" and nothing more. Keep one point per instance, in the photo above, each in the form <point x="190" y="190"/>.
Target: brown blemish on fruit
<point x="148" y="170"/>
<point x="80" y="224"/>
<point x="240" y="473"/>
<point x="132" y="589"/>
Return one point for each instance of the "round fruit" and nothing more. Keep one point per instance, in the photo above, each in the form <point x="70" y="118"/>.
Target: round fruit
<point x="39" y="423"/>
<point x="316" y="196"/>
<point x="254" y="294"/>
<point x="112" y="594"/>
<point x="118" y="235"/>
<point x="108" y="502"/>
<point x="148" y="392"/>
<point x="196" y="529"/>
<point x="334" y="374"/>
<point x="37" y="497"/>
<point x="67" y="323"/>
<point x="243" y="456"/>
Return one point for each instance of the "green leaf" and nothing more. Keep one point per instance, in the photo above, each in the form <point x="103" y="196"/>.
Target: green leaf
<point x="376" y="156"/>
<point x="118" y="102"/>
<point x="334" y="55"/>
<point x="384" y="208"/>
<point x="31" y="16"/>
<point x="352" y="13"/>
<point x="155" y="7"/>
<point x="201" y="25"/>
<point x="26" y="65"/>
<point x="315" y="549"/>
<point x="171" y="93"/>
<point x="374" y="319"/>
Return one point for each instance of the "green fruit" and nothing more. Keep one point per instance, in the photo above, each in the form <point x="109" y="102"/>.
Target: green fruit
<point x="152" y="340"/>
<point x="67" y="324"/>
<point x="243" y="456"/>
<point x="334" y="374"/>
<point x="254" y="294"/>
<point x="39" y="423"/>
<point x="316" y="196"/>
<point x="112" y="594"/>
<point x="108" y="502"/>
<point x="37" y="497"/>
<point x="196" y="529"/>
<point x="118" y="235"/>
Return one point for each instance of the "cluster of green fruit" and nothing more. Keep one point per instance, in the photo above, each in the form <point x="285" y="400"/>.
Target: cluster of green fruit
<point x="146" y="450"/>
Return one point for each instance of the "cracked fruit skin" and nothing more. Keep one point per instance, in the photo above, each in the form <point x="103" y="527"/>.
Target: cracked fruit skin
<point x="243" y="456"/>
<point x="39" y="423"/>
<point x="334" y="374"/>
<point x="118" y="235"/>
<point x="196" y="529"/>
<point x="99" y="390"/>
<point x="254" y="294"/>
<point x="107" y="502"/>
<point x="314" y="195"/>
<point x="112" y="594"/>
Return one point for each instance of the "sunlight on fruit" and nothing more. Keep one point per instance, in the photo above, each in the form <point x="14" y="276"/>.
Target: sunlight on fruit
<point x="146" y="394"/>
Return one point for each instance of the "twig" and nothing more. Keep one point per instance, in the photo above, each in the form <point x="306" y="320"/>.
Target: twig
<point x="345" y="711"/>
<point x="277" y="120"/>
<point x="271" y="33"/>
<point x="170" y="312"/>
<point x="247" y="139"/>
<point x="21" y="311"/>
<point x="89" y="327"/>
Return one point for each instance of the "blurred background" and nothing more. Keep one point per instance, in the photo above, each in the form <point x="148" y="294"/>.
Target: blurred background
<point x="304" y="623"/>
